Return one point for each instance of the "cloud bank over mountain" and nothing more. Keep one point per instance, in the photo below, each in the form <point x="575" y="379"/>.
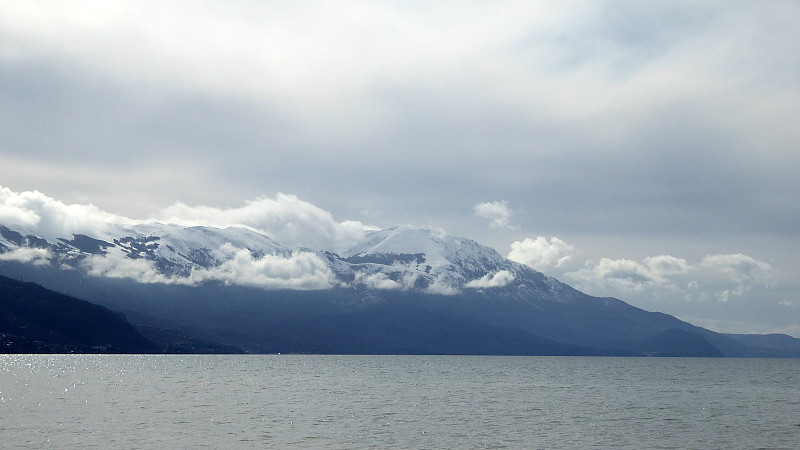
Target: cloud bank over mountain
<point x="662" y="279"/>
<point x="285" y="218"/>
<point x="299" y="224"/>
<point x="301" y="270"/>
<point x="628" y="130"/>
<point x="540" y="253"/>
<point x="52" y="218"/>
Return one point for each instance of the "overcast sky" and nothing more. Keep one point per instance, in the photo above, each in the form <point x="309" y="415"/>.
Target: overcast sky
<point x="644" y="150"/>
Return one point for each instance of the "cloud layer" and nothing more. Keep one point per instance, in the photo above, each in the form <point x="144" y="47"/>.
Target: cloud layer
<point x="299" y="271"/>
<point x="664" y="277"/>
<point x="577" y="115"/>
<point x="35" y="256"/>
<point x="285" y="218"/>
<point x="668" y="126"/>
<point x="51" y="218"/>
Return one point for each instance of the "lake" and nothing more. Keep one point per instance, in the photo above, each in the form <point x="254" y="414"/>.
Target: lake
<point x="253" y="401"/>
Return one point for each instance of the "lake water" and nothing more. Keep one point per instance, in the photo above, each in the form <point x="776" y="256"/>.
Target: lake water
<point x="170" y="401"/>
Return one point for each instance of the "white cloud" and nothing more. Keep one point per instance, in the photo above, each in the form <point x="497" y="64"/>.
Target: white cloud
<point x="301" y="270"/>
<point x="286" y="218"/>
<point x="741" y="269"/>
<point x="498" y="213"/>
<point x="441" y="287"/>
<point x="540" y="253"/>
<point x="629" y="276"/>
<point x="664" y="265"/>
<point x="27" y="255"/>
<point x="660" y="277"/>
<point x="614" y="275"/>
<point x="715" y="276"/>
<point x="500" y="279"/>
<point x="117" y="265"/>
<point x="376" y="281"/>
<point x="50" y="218"/>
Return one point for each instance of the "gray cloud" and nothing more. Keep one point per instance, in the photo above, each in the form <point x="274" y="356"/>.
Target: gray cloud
<point x="661" y="280"/>
<point x="497" y="213"/>
<point x="657" y="124"/>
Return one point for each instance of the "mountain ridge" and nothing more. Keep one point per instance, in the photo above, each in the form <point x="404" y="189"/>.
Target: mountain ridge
<point x="235" y="286"/>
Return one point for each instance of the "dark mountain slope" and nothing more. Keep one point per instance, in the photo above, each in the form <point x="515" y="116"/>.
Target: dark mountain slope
<point x="674" y="342"/>
<point x="356" y="321"/>
<point x="769" y="345"/>
<point x="34" y="319"/>
<point x="402" y="327"/>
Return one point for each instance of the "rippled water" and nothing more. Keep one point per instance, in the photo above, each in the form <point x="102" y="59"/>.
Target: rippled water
<point x="397" y="401"/>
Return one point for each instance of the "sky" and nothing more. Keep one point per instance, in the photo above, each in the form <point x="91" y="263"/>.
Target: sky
<point x="643" y="150"/>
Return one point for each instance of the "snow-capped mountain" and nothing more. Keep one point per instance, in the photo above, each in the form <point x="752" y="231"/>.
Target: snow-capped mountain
<point x="430" y="261"/>
<point x="400" y="258"/>
<point x="398" y="290"/>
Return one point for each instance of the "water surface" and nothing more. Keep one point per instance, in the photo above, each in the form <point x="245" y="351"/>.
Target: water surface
<point x="109" y="401"/>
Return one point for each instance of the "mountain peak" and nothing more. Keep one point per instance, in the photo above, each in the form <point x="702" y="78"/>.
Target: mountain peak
<point x="401" y="257"/>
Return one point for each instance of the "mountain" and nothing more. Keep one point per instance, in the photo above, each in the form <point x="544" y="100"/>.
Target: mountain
<point x="674" y="342"/>
<point x="770" y="345"/>
<point x="399" y="290"/>
<point x="35" y="320"/>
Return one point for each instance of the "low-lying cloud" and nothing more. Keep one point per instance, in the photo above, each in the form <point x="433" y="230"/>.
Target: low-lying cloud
<point x="117" y="265"/>
<point x="719" y="277"/>
<point x="500" y="279"/>
<point x="376" y="281"/>
<point x="27" y="255"/>
<point x="298" y="271"/>
<point x="285" y="218"/>
<point x="441" y="287"/>
<point x="540" y="253"/>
